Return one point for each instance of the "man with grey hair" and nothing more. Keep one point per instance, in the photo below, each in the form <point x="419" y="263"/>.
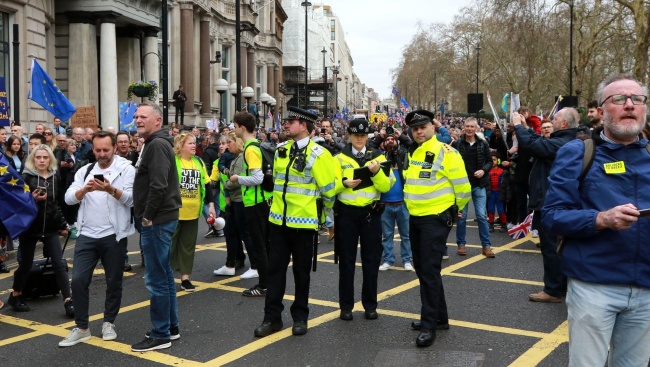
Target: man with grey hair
<point x="599" y="213"/>
<point x="83" y="146"/>
<point x="544" y="150"/>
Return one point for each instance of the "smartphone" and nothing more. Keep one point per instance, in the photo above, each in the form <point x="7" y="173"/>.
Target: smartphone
<point x="99" y="177"/>
<point x="323" y="131"/>
<point x="644" y="212"/>
<point x="42" y="189"/>
<point x="69" y="160"/>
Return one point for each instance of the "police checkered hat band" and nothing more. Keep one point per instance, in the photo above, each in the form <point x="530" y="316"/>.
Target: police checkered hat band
<point x="300" y="114"/>
<point x="359" y="126"/>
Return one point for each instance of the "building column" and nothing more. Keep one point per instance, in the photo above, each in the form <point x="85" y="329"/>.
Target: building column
<point x="151" y="57"/>
<point x="83" y="87"/>
<point x="270" y="81"/>
<point x="250" y="69"/>
<point x="276" y="85"/>
<point x="244" y="68"/>
<point x="107" y="73"/>
<point x="128" y="52"/>
<point x="187" y="54"/>
<point x="205" y="65"/>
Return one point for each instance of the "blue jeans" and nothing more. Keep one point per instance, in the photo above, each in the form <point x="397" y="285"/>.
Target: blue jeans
<point x="479" y="198"/>
<point x="159" y="277"/>
<point x="614" y="316"/>
<point x="391" y="215"/>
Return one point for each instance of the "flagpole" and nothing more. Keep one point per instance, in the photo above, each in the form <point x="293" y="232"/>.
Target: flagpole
<point x="559" y="98"/>
<point x="29" y="105"/>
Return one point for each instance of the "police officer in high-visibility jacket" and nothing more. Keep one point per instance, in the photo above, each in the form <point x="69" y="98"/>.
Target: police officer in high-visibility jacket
<point x="359" y="217"/>
<point x="303" y="174"/>
<point x="435" y="187"/>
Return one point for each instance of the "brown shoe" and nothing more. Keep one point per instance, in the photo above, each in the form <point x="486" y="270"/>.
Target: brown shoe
<point x="462" y="251"/>
<point x="331" y="230"/>
<point x="487" y="252"/>
<point x="543" y="297"/>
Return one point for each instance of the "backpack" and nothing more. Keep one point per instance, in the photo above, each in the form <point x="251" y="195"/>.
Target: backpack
<point x="268" y="155"/>
<point x="587" y="162"/>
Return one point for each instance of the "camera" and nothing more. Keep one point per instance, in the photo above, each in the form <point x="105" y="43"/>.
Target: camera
<point x="323" y="130"/>
<point x="390" y="130"/>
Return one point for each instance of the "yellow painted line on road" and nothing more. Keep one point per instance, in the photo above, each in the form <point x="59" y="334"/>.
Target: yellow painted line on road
<point x="114" y="346"/>
<point x="472" y="325"/>
<point x="544" y="347"/>
<point x="497" y="279"/>
<point x="21" y="338"/>
<point x="265" y="342"/>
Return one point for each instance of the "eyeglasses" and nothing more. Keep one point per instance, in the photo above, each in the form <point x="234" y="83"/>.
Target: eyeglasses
<point x="46" y="133"/>
<point x="547" y="127"/>
<point x="620" y="99"/>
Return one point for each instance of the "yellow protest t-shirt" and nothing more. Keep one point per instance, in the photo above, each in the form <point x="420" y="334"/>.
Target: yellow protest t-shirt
<point x="190" y="183"/>
<point x="253" y="159"/>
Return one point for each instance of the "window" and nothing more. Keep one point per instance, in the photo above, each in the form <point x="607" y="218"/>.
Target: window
<point x="333" y="35"/>
<point x="225" y="57"/>
<point x="333" y="24"/>
<point x="259" y="75"/>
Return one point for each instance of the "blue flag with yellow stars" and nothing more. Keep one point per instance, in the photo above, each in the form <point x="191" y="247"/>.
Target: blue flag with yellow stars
<point x="18" y="206"/>
<point x="45" y="92"/>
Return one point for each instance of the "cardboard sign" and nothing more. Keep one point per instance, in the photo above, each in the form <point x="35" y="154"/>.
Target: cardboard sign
<point x="4" y="104"/>
<point x="85" y="117"/>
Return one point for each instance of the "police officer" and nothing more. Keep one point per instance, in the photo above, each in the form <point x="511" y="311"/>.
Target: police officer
<point x="303" y="174"/>
<point x="435" y="187"/>
<point x="359" y="217"/>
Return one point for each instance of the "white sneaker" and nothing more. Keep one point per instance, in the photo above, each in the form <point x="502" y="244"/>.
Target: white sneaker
<point x="224" y="270"/>
<point x="75" y="337"/>
<point x="108" y="331"/>
<point x="250" y="274"/>
<point x="408" y="267"/>
<point x="535" y="233"/>
<point x="384" y="266"/>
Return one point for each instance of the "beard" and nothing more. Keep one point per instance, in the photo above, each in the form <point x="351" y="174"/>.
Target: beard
<point x="623" y="132"/>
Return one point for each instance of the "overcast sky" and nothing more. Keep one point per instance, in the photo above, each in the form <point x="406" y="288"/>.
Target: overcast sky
<point x="377" y="30"/>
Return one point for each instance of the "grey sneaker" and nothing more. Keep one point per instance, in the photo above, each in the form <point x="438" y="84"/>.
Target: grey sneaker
<point x="75" y="337"/>
<point x="108" y="331"/>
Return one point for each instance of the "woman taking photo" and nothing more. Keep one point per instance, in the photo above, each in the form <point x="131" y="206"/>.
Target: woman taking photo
<point x="15" y="153"/>
<point x="192" y="177"/>
<point x="41" y="177"/>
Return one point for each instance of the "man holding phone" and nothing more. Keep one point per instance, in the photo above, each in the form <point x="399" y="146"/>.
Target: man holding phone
<point x="333" y="143"/>
<point x="600" y="216"/>
<point x="104" y="191"/>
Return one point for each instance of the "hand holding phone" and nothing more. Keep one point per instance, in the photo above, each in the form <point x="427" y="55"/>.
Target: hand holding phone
<point x="99" y="177"/>
<point x="644" y="212"/>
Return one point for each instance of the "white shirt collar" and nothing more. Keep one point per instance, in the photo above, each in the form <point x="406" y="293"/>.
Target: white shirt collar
<point x="302" y="142"/>
<point x="354" y="151"/>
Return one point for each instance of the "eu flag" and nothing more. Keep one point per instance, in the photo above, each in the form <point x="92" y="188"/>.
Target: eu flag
<point x="18" y="206"/>
<point x="45" y="92"/>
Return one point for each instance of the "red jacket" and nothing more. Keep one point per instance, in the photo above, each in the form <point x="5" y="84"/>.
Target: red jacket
<point x="535" y="123"/>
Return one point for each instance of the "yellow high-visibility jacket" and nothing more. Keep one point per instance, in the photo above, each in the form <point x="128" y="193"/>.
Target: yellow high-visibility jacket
<point x="434" y="179"/>
<point x="295" y="192"/>
<point x="345" y="169"/>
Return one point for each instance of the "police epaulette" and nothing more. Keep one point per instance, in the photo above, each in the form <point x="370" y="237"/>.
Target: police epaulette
<point x="448" y="149"/>
<point x="317" y="149"/>
<point x="282" y="144"/>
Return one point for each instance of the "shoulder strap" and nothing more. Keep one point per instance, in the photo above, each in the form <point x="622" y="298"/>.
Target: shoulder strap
<point x="588" y="160"/>
<point x="90" y="168"/>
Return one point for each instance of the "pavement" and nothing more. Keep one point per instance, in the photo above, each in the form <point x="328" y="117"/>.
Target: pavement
<point x="492" y="321"/>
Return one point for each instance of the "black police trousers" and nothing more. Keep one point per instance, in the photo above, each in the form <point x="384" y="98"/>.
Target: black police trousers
<point x="428" y="241"/>
<point x="353" y="224"/>
<point x="288" y="244"/>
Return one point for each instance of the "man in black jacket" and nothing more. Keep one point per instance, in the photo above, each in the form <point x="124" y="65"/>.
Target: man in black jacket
<point x="543" y="150"/>
<point x="478" y="161"/>
<point x="179" y="98"/>
<point x="157" y="198"/>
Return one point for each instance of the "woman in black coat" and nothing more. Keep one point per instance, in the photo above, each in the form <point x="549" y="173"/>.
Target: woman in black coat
<point x="41" y="177"/>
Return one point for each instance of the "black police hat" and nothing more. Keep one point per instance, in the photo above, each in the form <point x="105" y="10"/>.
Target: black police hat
<point x="419" y="117"/>
<point x="300" y="114"/>
<point x="359" y="126"/>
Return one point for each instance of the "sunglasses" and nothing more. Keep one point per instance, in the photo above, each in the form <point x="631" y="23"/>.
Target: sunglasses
<point x="47" y="133"/>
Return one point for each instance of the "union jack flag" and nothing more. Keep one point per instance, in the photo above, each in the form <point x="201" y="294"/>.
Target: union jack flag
<point x="521" y="230"/>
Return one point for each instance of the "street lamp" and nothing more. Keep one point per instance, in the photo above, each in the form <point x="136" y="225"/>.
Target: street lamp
<point x="335" y="71"/>
<point x="222" y="86"/>
<point x="478" y="50"/>
<point x="306" y="4"/>
<point x="324" y="51"/>
<point x="265" y="98"/>
<point x="235" y="92"/>
<point x="247" y="93"/>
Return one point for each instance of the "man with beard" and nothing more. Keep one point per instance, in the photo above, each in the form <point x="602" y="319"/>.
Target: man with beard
<point x="394" y="208"/>
<point x="599" y="213"/>
<point x="104" y="190"/>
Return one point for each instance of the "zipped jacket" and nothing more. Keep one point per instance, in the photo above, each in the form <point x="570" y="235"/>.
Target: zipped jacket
<point x="49" y="220"/>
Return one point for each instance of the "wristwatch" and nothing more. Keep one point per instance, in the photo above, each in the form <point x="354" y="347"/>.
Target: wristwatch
<point x="146" y="222"/>
<point x="114" y="192"/>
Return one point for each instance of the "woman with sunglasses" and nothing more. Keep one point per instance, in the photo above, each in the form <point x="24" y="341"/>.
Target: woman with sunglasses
<point x="49" y="138"/>
<point x="41" y="176"/>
